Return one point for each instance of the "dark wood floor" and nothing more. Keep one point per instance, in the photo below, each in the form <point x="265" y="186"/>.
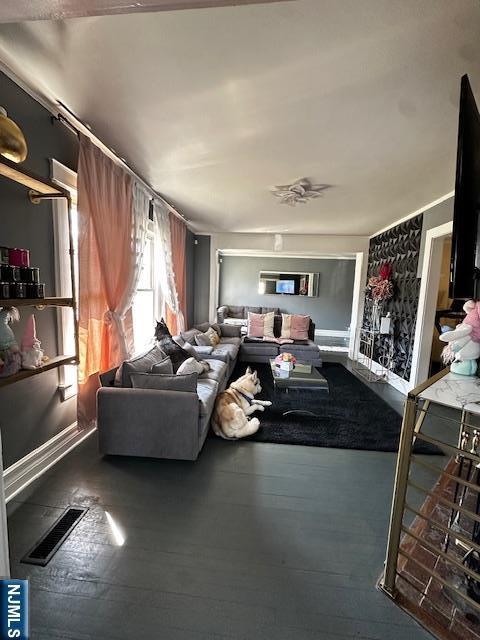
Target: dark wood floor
<point x="251" y="542"/>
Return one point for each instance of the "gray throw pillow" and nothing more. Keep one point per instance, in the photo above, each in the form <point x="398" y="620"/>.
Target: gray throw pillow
<point x="189" y="336"/>
<point x="164" y="366"/>
<point x="161" y="382"/>
<point x="142" y="363"/>
<point x="203" y="340"/>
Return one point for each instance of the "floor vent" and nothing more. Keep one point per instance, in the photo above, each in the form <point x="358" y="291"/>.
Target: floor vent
<point x="50" y="543"/>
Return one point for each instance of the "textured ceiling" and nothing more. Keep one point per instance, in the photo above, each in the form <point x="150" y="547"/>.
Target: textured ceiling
<point x="215" y="106"/>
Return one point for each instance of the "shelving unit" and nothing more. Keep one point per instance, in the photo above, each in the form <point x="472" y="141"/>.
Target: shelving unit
<point x="37" y="302"/>
<point x="40" y="189"/>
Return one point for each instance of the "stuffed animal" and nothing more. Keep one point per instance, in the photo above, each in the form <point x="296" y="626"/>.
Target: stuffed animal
<point x="10" y="359"/>
<point x="32" y="354"/>
<point x="463" y="343"/>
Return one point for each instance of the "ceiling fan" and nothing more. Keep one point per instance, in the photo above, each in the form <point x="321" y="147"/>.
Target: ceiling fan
<point x="302" y="190"/>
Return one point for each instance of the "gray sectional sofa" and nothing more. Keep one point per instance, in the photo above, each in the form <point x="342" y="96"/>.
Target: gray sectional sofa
<point x="174" y="424"/>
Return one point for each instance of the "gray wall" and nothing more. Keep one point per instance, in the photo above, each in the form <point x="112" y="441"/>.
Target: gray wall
<point x="330" y="310"/>
<point x="201" y="278"/>
<point x="32" y="411"/>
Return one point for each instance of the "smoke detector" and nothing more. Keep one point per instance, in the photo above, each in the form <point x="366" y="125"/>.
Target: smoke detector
<point x="301" y="190"/>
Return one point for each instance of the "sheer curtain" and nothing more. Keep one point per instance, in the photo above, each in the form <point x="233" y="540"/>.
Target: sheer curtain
<point x="178" y="232"/>
<point x="164" y="260"/>
<point x="141" y="208"/>
<point x="112" y="228"/>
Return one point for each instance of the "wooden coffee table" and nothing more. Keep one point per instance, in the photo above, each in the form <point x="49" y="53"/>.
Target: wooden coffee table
<point x="303" y="376"/>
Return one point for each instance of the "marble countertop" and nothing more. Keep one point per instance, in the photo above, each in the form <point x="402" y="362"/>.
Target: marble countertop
<point x="456" y="391"/>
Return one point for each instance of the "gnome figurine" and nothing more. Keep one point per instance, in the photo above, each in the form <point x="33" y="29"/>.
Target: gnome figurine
<point x="32" y="354"/>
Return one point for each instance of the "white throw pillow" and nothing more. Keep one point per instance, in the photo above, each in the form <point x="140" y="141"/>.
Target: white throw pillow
<point x="193" y="366"/>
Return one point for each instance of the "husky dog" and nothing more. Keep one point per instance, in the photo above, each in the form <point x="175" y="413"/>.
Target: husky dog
<point x="229" y="419"/>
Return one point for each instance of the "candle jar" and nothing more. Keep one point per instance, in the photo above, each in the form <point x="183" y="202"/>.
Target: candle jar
<point x="19" y="257"/>
<point x="18" y="290"/>
<point x="29" y="274"/>
<point x="8" y="273"/>
<point x="36" y="290"/>
<point x="4" y="253"/>
<point x="5" y="290"/>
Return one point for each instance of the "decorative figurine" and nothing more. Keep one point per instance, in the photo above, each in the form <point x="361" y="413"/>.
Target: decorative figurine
<point x="10" y="358"/>
<point x="32" y="354"/>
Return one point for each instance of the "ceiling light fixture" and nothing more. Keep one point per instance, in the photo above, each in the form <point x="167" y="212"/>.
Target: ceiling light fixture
<point x="12" y="141"/>
<point x="302" y="190"/>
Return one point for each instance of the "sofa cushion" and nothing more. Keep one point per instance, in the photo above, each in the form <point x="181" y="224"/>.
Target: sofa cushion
<point x="259" y="348"/>
<point x="275" y="310"/>
<point x="142" y="363"/>
<point x="169" y="346"/>
<point x="207" y="392"/>
<point x="235" y="312"/>
<point x="299" y="346"/>
<point x="201" y="352"/>
<point x="225" y="352"/>
<point x="248" y="310"/>
<point x="162" y="382"/>
<point x="233" y="340"/>
<point x="218" y="371"/>
<point x="165" y="366"/>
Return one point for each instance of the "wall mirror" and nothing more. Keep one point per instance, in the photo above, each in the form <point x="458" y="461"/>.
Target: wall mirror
<point x="288" y="283"/>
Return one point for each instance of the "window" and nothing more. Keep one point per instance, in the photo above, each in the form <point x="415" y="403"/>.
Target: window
<point x="146" y="300"/>
<point x="67" y="179"/>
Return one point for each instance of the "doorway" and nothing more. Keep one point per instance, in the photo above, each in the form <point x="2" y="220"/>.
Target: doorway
<point x="434" y="272"/>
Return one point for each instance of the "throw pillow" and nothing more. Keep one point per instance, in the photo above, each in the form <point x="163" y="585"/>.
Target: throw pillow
<point x="189" y="336"/>
<point x="169" y="346"/>
<point x="161" y="382"/>
<point x="193" y="366"/>
<point x="260" y="324"/>
<point x="142" y="363"/>
<point x="208" y="339"/>
<point x="165" y="366"/>
<point x="295" y="327"/>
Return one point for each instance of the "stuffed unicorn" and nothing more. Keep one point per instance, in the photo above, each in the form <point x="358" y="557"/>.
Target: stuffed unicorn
<point x="10" y="359"/>
<point x="463" y="343"/>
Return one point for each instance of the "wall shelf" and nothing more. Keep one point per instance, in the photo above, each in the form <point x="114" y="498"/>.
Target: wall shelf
<point x="42" y="189"/>
<point x="20" y="175"/>
<point x="37" y="302"/>
<point x="53" y="363"/>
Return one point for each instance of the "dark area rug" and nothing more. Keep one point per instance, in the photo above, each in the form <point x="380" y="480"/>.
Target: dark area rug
<point x="351" y="416"/>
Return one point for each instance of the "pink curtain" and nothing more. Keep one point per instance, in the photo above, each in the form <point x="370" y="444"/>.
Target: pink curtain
<point x="178" y="232"/>
<point x="106" y="262"/>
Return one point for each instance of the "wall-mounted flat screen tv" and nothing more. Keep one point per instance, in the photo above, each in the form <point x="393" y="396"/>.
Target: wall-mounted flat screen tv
<point x="465" y="258"/>
<point x="286" y="286"/>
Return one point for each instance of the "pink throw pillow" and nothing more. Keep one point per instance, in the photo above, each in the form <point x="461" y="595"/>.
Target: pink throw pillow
<point x="260" y="325"/>
<point x="295" y="327"/>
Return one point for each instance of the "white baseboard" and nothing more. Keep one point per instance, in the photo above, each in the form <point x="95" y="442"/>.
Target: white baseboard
<point x="332" y="333"/>
<point x="396" y="381"/>
<point x="23" y="472"/>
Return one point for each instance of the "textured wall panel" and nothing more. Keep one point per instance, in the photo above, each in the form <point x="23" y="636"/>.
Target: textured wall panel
<point x="399" y="246"/>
